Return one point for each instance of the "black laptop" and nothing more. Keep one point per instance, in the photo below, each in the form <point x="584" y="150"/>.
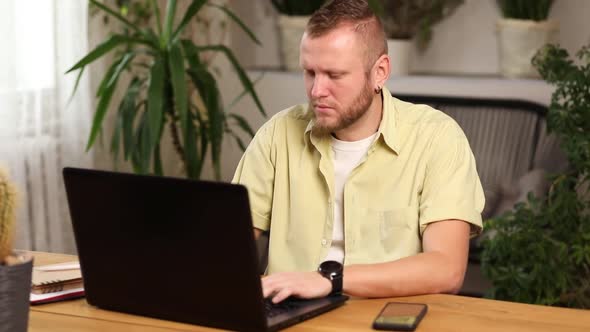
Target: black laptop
<point x="175" y="249"/>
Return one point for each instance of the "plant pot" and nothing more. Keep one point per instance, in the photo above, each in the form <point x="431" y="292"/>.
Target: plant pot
<point x="399" y="53"/>
<point x="518" y="41"/>
<point x="291" y="29"/>
<point x="15" y="290"/>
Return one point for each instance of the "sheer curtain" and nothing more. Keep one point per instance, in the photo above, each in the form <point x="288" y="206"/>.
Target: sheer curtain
<point x="41" y="130"/>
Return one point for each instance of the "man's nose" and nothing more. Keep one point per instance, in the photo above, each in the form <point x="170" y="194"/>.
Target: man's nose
<point x="319" y="87"/>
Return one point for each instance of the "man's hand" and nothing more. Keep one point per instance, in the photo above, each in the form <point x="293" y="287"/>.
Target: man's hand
<point x="305" y="285"/>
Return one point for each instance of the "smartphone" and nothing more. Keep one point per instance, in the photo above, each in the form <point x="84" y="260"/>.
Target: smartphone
<point x="398" y="316"/>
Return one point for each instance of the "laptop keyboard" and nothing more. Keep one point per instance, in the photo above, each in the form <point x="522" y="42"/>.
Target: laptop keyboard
<point x="274" y="309"/>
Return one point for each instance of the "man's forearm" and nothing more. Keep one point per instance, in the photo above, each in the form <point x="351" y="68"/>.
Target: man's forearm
<point x="425" y="273"/>
<point x="440" y="269"/>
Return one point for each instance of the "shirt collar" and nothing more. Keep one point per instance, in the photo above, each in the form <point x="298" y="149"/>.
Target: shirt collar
<point x="388" y="127"/>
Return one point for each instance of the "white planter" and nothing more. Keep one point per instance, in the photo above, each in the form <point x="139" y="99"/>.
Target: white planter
<point x="518" y="41"/>
<point x="399" y="52"/>
<point x="291" y="29"/>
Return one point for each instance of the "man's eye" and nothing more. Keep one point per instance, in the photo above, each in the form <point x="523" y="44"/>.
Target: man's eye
<point x="335" y="76"/>
<point x="309" y="73"/>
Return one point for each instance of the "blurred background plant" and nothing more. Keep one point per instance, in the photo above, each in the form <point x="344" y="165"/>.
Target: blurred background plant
<point x="297" y="7"/>
<point x="541" y="250"/>
<point x="170" y="84"/>
<point x="521" y="31"/>
<point x="291" y="23"/>
<point x="406" y="19"/>
<point x="536" y="10"/>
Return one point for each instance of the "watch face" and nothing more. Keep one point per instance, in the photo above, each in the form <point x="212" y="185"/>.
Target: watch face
<point x="331" y="267"/>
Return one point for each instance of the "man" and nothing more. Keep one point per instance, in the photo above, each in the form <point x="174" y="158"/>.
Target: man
<point x="387" y="188"/>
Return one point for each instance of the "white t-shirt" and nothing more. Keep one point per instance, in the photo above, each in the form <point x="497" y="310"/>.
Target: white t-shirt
<point x="347" y="156"/>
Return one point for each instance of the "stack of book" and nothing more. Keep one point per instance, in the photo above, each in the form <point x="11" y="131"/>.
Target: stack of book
<point x="56" y="282"/>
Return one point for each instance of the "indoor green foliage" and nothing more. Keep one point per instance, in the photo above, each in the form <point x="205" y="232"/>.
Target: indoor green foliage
<point x="541" y="250"/>
<point x="536" y="10"/>
<point x="404" y="19"/>
<point x="169" y="85"/>
<point x="297" y="7"/>
<point x="7" y="215"/>
<point x="569" y="115"/>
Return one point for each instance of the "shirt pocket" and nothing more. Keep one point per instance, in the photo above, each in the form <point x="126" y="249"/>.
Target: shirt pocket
<point x="396" y="231"/>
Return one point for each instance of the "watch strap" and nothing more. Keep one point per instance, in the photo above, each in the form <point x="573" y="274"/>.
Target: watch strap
<point x="333" y="271"/>
<point x="336" y="285"/>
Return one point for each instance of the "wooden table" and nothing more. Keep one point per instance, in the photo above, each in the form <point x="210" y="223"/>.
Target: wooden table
<point x="445" y="313"/>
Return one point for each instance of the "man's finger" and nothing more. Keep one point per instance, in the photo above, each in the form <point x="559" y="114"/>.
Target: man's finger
<point x="281" y="295"/>
<point x="267" y="289"/>
<point x="271" y="286"/>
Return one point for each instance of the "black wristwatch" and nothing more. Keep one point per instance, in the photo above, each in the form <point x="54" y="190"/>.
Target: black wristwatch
<point x="332" y="271"/>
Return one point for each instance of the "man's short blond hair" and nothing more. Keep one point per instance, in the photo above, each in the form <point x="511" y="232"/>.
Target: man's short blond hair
<point x="359" y="15"/>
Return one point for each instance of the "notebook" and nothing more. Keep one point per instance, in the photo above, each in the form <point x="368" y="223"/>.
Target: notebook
<point x="56" y="277"/>
<point x="68" y="294"/>
<point x="175" y="249"/>
<point x="56" y="282"/>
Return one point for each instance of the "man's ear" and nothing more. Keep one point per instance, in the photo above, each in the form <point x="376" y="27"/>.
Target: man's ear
<point x="381" y="70"/>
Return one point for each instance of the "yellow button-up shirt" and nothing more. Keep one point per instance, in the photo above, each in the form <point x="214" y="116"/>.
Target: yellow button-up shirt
<point x="419" y="170"/>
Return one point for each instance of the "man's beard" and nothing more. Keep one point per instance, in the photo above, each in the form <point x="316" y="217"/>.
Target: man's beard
<point x="347" y="117"/>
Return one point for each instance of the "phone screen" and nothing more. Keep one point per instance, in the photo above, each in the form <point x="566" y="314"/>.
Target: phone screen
<point x="400" y="316"/>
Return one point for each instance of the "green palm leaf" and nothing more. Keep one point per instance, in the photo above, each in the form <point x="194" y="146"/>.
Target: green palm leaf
<point x="80" y="73"/>
<point x="104" y="102"/>
<point x="192" y="10"/>
<point x="238" y="140"/>
<point x="242" y="123"/>
<point x="159" y="88"/>
<point x="152" y="40"/>
<point x="243" y="93"/>
<point x="107" y="77"/>
<point x="239" y="22"/>
<point x="127" y="111"/>
<point x="158" y="19"/>
<point x="125" y="59"/>
<point x="115" y="140"/>
<point x="170" y="11"/>
<point x="193" y="161"/>
<point x="241" y="73"/>
<point x="115" y="15"/>
<point x="191" y="53"/>
<point x="144" y="146"/>
<point x="177" y="77"/>
<point x="103" y="48"/>
<point x="209" y="92"/>
<point x="201" y="133"/>
<point x="155" y="106"/>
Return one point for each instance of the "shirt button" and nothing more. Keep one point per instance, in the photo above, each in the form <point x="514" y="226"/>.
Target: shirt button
<point x="324" y="242"/>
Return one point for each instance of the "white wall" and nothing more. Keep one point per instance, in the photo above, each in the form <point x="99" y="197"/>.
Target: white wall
<point x="464" y="43"/>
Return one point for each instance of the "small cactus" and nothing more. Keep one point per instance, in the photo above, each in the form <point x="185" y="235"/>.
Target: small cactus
<point x="7" y="215"/>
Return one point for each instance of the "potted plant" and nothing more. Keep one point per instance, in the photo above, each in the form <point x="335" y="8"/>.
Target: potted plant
<point x="293" y="17"/>
<point x="15" y="269"/>
<point x="407" y="20"/>
<point x="522" y="31"/>
<point x="170" y="85"/>
<point x="540" y="252"/>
